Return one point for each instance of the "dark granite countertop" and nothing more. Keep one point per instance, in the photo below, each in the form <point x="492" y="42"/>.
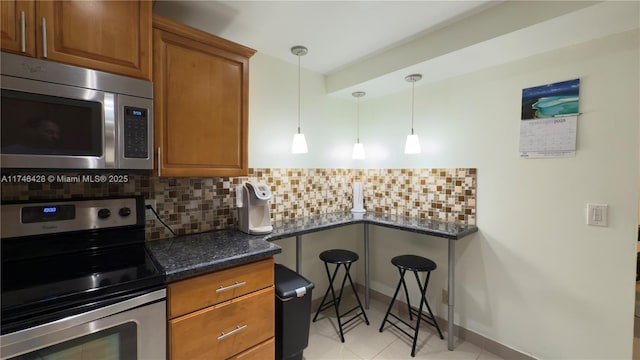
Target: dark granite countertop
<point x="190" y="255"/>
<point x="309" y="224"/>
<point x="185" y="256"/>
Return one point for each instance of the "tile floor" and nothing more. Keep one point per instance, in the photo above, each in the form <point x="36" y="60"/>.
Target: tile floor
<point x="365" y="342"/>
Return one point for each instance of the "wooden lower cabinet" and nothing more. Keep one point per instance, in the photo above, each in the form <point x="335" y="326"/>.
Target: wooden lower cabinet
<point x="214" y="327"/>
<point x="261" y="351"/>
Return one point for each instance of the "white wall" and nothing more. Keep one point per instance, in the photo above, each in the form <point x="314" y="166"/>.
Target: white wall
<point x="535" y="277"/>
<point x="327" y="122"/>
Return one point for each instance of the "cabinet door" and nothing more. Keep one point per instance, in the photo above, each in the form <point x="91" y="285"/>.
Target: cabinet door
<point x="201" y="95"/>
<point x="112" y="36"/>
<point x="17" y="31"/>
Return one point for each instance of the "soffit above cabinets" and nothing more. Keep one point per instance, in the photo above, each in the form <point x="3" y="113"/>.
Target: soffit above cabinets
<point x="373" y="45"/>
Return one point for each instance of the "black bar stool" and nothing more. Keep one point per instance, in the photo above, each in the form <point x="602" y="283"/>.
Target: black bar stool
<point x="346" y="258"/>
<point x="414" y="264"/>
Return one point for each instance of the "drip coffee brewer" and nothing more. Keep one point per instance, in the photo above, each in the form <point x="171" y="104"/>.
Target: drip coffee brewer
<point x="253" y="208"/>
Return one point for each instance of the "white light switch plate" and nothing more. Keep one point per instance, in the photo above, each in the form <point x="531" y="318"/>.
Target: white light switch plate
<point x="597" y="214"/>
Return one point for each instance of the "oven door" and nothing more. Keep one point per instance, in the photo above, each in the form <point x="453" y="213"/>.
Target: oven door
<point x="131" y="329"/>
<point x="47" y="125"/>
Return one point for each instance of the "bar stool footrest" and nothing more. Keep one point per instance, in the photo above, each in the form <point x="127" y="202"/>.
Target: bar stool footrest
<point x="326" y="306"/>
<point x="356" y="316"/>
<point x="424" y="317"/>
<point x="330" y="305"/>
<point x="398" y="327"/>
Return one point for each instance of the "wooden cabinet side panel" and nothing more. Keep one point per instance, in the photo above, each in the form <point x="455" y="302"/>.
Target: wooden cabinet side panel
<point x="10" y="27"/>
<point x="199" y="335"/>
<point x="201" y="94"/>
<point x="112" y="36"/>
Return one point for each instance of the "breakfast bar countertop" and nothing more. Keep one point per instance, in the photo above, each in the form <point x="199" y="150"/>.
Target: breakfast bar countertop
<point x="313" y="223"/>
<point x="190" y="255"/>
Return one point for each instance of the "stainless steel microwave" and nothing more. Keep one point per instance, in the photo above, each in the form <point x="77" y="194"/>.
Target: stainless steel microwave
<point x="57" y="116"/>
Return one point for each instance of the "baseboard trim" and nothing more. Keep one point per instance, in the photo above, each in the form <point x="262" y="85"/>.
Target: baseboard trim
<point x="472" y="337"/>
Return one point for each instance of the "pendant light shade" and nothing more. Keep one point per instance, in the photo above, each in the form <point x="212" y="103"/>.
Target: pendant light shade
<point x="358" y="152"/>
<point x="299" y="145"/>
<point x="358" y="148"/>
<point x="412" y="146"/>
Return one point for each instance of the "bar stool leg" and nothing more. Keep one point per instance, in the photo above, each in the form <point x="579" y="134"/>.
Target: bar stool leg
<point x="393" y="299"/>
<point x="366" y="319"/>
<point x="406" y="293"/>
<point x="419" y="314"/>
<point x="344" y="280"/>
<point x="424" y="299"/>
<point x="322" y="303"/>
<point x="335" y="302"/>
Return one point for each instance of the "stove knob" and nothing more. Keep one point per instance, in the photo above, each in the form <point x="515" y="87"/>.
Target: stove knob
<point x="104" y="213"/>
<point x="124" y="212"/>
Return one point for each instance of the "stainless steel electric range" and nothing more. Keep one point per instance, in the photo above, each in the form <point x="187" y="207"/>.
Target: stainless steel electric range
<point x="77" y="278"/>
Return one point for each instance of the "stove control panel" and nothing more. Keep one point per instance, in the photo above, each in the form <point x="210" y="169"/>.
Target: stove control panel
<point x="69" y="215"/>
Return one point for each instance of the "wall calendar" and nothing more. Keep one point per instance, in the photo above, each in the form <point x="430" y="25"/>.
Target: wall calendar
<point x="549" y="121"/>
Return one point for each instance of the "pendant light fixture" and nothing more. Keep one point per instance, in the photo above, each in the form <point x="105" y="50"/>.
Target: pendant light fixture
<point x="358" y="148"/>
<point x="299" y="145"/>
<point x="412" y="146"/>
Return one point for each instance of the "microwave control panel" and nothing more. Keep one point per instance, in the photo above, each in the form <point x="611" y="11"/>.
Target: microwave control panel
<point x="136" y="135"/>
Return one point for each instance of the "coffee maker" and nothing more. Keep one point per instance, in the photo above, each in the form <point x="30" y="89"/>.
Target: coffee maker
<point x="253" y="208"/>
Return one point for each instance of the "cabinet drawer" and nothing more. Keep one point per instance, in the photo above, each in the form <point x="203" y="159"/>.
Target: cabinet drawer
<point x="224" y="330"/>
<point x="264" y="351"/>
<point x="197" y="293"/>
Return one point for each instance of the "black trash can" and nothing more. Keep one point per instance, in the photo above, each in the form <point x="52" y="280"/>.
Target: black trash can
<point x="293" y="312"/>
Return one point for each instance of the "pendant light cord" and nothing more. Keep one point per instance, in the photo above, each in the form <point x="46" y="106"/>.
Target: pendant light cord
<point x="358" y="123"/>
<point x="298" y="94"/>
<point x="413" y="86"/>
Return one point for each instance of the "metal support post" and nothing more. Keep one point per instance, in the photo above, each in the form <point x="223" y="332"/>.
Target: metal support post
<point x="367" y="274"/>
<point x="451" y="284"/>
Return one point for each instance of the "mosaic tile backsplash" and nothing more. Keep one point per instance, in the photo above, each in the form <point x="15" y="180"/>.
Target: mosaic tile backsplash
<point x="192" y="205"/>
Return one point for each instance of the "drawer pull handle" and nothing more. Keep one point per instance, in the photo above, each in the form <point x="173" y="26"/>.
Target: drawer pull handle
<point x="237" y="329"/>
<point x="225" y="288"/>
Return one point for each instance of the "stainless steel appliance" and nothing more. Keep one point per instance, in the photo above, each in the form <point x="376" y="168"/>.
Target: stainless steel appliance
<point x="77" y="279"/>
<point x="57" y="116"/>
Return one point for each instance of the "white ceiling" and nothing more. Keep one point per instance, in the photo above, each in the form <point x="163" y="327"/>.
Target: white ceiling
<point x="337" y="33"/>
<point x="372" y="45"/>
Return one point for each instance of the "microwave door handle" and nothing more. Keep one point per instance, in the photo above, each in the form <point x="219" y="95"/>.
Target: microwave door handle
<point x="44" y="38"/>
<point x="23" y="29"/>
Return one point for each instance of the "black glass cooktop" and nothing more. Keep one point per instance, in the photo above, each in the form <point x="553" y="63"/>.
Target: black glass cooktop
<point x="37" y="290"/>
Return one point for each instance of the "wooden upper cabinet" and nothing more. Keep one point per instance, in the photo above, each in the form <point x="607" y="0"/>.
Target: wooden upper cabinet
<point x="111" y="36"/>
<point x="201" y="91"/>
<point x="17" y="30"/>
